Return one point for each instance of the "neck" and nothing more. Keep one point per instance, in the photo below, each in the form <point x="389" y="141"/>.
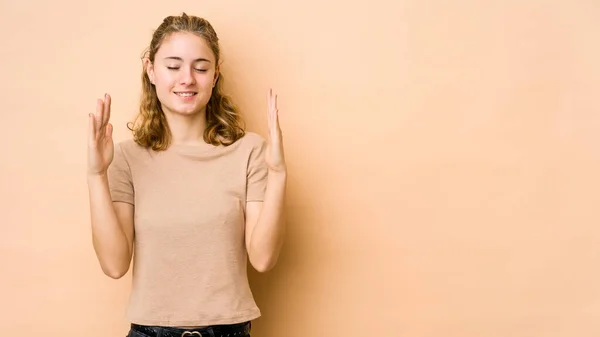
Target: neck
<point x="187" y="130"/>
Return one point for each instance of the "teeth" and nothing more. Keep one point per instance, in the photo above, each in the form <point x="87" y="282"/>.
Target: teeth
<point x="186" y="94"/>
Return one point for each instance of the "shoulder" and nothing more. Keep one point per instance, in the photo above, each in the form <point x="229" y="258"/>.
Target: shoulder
<point x="127" y="145"/>
<point x="252" y="140"/>
<point x="129" y="151"/>
<point x="130" y="147"/>
<point x="248" y="147"/>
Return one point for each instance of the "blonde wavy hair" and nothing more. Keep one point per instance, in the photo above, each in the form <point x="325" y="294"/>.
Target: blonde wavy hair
<point x="224" y="125"/>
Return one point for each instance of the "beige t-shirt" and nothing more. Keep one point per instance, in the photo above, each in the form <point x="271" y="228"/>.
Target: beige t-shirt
<point x="190" y="259"/>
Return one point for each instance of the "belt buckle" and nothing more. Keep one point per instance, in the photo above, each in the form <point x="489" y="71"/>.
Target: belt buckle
<point x="191" y="333"/>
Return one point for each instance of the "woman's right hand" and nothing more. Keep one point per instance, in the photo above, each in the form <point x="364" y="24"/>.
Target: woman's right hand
<point x="100" y="142"/>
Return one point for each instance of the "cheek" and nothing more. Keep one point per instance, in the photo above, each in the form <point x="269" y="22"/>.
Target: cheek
<point x="205" y="81"/>
<point x="163" y="79"/>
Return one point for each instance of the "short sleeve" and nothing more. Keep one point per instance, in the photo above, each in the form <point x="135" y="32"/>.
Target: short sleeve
<point x="119" y="177"/>
<point x="257" y="173"/>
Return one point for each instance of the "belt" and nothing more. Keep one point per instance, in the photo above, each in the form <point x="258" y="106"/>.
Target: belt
<point x="228" y="330"/>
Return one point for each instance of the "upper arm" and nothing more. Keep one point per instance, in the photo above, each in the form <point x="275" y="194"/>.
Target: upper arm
<point x="120" y="179"/>
<point x="256" y="184"/>
<point x="122" y="193"/>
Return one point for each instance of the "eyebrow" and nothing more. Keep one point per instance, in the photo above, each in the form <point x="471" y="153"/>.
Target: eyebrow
<point x="180" y="59"/>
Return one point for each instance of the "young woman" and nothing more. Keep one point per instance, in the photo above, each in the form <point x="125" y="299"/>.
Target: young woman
<point x="193" y="194"/>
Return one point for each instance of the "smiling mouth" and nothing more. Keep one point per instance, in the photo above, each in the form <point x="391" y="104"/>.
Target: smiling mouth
<point x="186" y="94"/>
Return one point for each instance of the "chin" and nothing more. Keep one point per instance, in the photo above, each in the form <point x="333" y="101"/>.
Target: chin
<point x="187" y="111"/>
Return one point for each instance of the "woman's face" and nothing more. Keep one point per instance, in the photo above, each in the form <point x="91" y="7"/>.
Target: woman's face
<point x="184" y="73"/>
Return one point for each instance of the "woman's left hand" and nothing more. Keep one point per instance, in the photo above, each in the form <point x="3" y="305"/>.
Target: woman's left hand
<point x="274" y="157"/>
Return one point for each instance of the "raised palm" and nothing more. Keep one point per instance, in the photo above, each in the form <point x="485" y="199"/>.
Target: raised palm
<point x="274" y="158"/>
<point x="100" y="142"/>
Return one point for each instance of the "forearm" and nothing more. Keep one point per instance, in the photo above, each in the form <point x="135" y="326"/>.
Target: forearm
<point x="110" y="242"/>
<point x="268" y="233"/>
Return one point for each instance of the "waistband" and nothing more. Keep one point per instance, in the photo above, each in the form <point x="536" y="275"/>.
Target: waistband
<point x="226" y="330"/>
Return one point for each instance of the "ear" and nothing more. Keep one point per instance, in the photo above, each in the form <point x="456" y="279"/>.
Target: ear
<point x="149" y="69"/>
<point x="217" y="70"/>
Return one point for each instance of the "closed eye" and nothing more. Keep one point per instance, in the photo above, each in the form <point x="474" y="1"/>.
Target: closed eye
<point x="198" y="70"/>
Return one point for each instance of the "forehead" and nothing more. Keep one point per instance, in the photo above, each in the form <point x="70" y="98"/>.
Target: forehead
<point x="187" y="46"/>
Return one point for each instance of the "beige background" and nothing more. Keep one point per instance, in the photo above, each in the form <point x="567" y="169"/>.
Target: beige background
<point x="443" y="158"/>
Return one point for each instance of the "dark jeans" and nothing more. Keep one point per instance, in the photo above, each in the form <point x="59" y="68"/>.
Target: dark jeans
<point x="228" y="330"/>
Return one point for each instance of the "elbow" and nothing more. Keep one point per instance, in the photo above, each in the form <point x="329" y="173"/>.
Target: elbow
<point x="114" y="273"/>
<point x="114" y="266"/>
<point x="263" y="268"/>
<point x="265" y="264"/>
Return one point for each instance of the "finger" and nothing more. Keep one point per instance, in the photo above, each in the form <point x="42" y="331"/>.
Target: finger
<point x="91" y="128"/>
<point x="272" y="100"/>
<point x="109" y="131"/>
<point x="269" y="118"/>
<point x="274" y="110"/>
<point x="107" y="101"/>
<point x="98" y="116"/>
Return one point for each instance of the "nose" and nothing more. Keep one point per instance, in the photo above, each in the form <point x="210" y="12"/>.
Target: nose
<point x="186" y="77"/>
